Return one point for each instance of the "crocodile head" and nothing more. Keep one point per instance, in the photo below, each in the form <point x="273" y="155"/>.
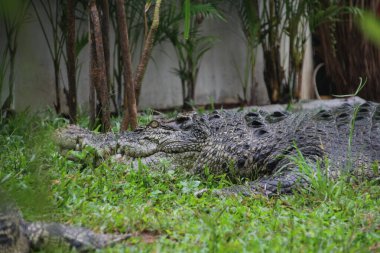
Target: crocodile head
<point x="184" y="134"/>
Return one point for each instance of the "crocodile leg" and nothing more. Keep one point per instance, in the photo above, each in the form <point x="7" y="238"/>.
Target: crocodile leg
<point x="284" y="183"/>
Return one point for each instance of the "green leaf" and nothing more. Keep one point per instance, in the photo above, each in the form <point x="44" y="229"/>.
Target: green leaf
<point x="207" y="10"/>
<point x="370" y="25"/>
<point x="375" y="167"/>
<point x="81" y="42"/>
<point x="187" y="19"/>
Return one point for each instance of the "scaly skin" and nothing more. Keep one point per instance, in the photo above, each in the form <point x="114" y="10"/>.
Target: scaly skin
<point x="255" y="145"/>
<point x="19" y="236"/>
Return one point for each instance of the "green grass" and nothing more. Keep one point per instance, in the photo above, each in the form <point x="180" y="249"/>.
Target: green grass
<point x="159" y="207"/>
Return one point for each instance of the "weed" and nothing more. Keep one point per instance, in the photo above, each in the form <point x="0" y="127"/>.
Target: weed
<point x="159" y="208"/>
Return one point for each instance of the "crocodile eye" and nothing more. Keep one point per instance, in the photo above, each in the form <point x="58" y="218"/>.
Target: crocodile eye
<point x="182" y="119"/>
<point x="154" y="124"/>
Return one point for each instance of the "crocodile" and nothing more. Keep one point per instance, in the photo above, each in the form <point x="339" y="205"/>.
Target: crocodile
<point x="20" y="236"/>
<point x="266" y="149"/>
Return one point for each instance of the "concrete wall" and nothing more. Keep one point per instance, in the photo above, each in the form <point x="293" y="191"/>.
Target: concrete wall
<point x="218" y="81"/>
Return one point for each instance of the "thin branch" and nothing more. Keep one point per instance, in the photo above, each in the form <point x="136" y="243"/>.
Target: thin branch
<point x="141" y="68"/>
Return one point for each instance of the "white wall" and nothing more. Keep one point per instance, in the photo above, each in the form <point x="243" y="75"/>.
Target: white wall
<point x="218" y="78"/>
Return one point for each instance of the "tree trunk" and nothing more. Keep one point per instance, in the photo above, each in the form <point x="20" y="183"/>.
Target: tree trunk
<point x="191" y="82"/>
<point x="130" y="107"/>
<point x="71" y="60"/>
<point x="273" y="73"/>
<point x="105" y="21"/>
<point x="93" y="82"/>
<point x="57" y="104"/>
<point x="105" y="36"/>
<point x="100" y="69"/>
<point x="92" y="105"/>
<point x="119" y="79"/>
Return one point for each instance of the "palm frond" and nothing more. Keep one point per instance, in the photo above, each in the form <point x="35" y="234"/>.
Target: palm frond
<point x="206" y="10"/>
<point x="249" y="17"/>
